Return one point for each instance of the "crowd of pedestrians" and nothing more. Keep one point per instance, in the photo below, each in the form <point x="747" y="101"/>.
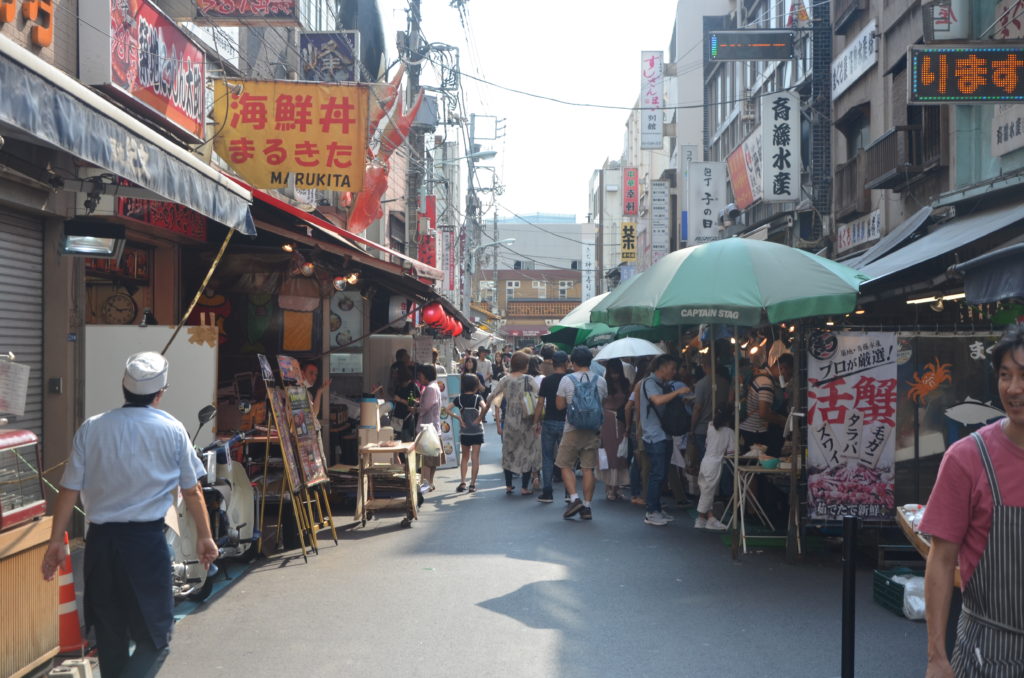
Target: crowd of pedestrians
<point x="638" y="427"/>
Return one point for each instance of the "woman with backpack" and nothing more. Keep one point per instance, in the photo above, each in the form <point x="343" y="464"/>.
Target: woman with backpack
<point x="613" y="431"/>
<point x="520" y="444"/>
<point x="471" y="410"/>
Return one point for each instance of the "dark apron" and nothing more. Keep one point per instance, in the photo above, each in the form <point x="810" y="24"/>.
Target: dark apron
<point x="990" y="635"/>
<point x="128" y="579"/>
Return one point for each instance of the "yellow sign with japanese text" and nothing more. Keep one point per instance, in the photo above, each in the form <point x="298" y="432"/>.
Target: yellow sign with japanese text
<point x="276" y="131"/>
<point x="627" y="242"/>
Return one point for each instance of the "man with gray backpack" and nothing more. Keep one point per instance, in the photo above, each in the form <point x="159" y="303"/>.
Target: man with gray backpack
<point x="580" y="394"/>
<point x="661" y="414"/>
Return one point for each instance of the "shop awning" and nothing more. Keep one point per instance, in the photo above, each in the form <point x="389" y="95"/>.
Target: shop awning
<point x="46" y="106"/>
<point x="890" y="240"/>
<point x="524" y="330"/>
<point x="994" y="276"/>
<point x="395" y="262"/>
<point x="957" y="233"/>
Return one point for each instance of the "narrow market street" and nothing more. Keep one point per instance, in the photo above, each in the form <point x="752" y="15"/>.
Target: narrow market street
<point x="488" y="584"/>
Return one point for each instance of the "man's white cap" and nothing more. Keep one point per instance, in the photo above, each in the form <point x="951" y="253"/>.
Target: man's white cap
<point x="145" y="373"/>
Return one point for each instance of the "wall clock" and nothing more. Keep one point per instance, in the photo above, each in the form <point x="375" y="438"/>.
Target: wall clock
<point x="119" y="309"/>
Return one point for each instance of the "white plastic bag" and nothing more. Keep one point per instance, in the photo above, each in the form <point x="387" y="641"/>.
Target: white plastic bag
<point x="602" y="459"/>
<point x="428" y="443"/>
<point x="913" y="598"/>
<point x="623" y="451"/>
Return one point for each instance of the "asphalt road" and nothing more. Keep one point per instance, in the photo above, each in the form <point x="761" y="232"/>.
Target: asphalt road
<point x="489" y="584"/>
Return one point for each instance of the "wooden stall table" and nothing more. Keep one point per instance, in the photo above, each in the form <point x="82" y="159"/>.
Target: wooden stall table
<point x="921" y="542"/>
<point x="379" y="464"/>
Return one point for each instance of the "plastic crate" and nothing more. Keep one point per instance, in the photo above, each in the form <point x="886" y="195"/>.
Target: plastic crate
<point x="888" y="593"/>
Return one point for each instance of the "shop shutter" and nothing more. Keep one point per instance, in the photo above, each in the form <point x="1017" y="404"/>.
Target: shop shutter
<point x="21" y="307"/>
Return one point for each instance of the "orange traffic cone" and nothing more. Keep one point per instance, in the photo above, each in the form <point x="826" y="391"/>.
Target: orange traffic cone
<point x="70" y="629"/>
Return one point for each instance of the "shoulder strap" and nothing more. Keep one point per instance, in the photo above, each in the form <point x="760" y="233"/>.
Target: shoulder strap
<point x="650" y="405"/>
<point x="986" y="461"/>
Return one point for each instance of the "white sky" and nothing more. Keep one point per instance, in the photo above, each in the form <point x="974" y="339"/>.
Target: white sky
<point x="585" y="51"/>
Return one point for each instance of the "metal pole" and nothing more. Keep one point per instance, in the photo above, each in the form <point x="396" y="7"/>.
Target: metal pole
<point x="414" y="171"/>
<point x="849" y="587"/>
<point x="736" y="444"/>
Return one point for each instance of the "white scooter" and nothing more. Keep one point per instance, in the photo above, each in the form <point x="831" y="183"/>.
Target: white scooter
<point x="231" y="503"/>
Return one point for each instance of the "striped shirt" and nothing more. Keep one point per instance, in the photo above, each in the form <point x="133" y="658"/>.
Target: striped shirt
<point x="762" y="389"/>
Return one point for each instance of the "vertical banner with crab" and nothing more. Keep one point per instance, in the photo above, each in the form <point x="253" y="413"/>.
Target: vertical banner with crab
<point x="851" y="419"/>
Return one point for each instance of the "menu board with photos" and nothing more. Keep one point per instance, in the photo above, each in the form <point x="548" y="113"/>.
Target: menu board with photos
<point x="308" y="445"/>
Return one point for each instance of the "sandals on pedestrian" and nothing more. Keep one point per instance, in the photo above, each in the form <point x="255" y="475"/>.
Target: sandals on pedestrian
<point x="472" y="488"/>
<point x="526" y="492"/>
<point x="509" y="490"/>
<point x="461" y="487"/>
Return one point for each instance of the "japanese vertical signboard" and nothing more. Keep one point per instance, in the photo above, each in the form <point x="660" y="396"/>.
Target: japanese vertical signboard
<point x="687" y="154"/>
<point x="745" y="171"/>
<point x="271" y="130"/>
<point x="851" y="423"/>
<point x="627" y="241"/>
<point x="589" y="273"/>
<point x="1007" y="132"/>
<point x="860" y="55"/>
<point x="630" y="191"/>
<point x="330" y="56"/>
<point x="651" y="99"/>
<point x="780" y="146"/>
<point x="947" y="20"/>
<point x="659" y="220"/>
<point x="146" y="60"/>
<point x="705" y="198"/>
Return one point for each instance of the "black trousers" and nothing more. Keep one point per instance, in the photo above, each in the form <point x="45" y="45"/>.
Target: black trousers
<point x="128" y="596"/>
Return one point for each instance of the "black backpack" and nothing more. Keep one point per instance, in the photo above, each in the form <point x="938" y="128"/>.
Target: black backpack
<point x="674" y="417"/>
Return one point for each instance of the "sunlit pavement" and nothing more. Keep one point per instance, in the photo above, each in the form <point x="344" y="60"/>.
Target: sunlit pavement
<point x="491" y="584"/>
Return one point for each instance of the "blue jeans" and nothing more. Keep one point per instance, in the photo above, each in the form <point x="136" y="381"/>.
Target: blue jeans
<point x="657" y="455"/>
<point x="550" y="439"/>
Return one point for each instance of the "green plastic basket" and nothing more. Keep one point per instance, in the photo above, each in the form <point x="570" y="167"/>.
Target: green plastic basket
<point x="889" y="594"/>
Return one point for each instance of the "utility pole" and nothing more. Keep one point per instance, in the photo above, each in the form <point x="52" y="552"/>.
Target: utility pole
<point x="470" y="228"/>
<point x="494" y="260"/>
<point x="414" y="171"/>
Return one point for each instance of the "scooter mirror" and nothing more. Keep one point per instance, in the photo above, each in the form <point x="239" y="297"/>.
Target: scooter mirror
<point x="244" y="406"/>
<point x="206" y="414"/>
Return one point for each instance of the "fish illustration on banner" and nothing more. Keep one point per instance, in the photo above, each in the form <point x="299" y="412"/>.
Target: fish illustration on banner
<point x="972" y="412"/>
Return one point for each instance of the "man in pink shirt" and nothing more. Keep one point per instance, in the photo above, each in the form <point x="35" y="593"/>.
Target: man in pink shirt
<point x="976" y="515"/>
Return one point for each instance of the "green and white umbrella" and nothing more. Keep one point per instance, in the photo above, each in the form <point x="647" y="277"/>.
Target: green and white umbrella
<point x="575" y="328"/>
<point x="737" y="281"/>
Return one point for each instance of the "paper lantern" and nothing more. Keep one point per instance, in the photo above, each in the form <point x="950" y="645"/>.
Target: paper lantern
<point x="458" y="329"/>
<point x="432" y="313"/>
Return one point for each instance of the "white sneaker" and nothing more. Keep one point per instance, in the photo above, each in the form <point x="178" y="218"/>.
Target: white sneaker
<point x="667" y="516"/>
<point x="655" y="518"/>
<point x="701" y="523"/>
<point x="716" y="525"/>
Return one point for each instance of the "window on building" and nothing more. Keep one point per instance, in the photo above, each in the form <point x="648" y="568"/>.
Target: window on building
<point x="510" y="288"/>
<point x="487" y="291"/>
<point x="541" y="288"/>
<point x="563" y="288"/>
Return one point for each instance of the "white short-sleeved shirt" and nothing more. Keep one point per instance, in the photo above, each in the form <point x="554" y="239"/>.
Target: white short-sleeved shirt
<point x="127" y="462"/>
<point x="567" y="387"/>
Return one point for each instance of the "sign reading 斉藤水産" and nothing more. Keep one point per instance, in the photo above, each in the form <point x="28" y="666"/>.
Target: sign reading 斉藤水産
<point x="270" y="130"/>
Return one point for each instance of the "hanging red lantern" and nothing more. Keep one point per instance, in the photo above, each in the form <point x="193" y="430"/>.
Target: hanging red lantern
<point x="452" y="324"/>
<point x="458" y="329"/>
<point x="432" y="313"/>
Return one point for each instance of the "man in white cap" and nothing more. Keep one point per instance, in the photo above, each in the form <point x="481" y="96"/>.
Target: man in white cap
<point x="126" y="464"/>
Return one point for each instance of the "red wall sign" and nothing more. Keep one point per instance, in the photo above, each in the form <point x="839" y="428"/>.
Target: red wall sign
<point x="239" y="12"/>
<point x="145" y="60"/>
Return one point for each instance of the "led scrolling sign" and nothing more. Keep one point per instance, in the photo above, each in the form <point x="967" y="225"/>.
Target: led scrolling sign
<point x="966" y="74"/>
